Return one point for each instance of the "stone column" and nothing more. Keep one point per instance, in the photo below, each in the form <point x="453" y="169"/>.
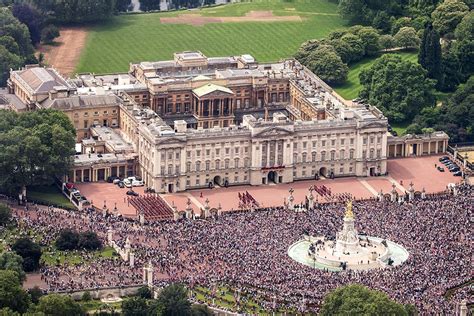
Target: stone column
<point x="127" y="249"/>
<point x="219" y="210"/>
<point x="175" y="212"/>
<point x="132" y="259"/>
<point x="110" y="233"/>
<point x="268" y="153"/>
<point x="291" y="199"/>
<point x="276" y="155"/>
<point x="82" y="175"/>
<point x="207" y="208"/>
<point x="150" y="274"/>
<point x="411" y="192"/>
<point x="189" y="209"/>
<point x="463" y="310"/>
<point x="380" y="196"/>
<point x="393" y="194"/>
<point x="423" y="194"/>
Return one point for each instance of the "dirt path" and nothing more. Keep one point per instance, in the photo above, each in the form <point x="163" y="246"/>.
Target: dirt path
<point x="252" y="16"/>
<point x="66" y="52"/>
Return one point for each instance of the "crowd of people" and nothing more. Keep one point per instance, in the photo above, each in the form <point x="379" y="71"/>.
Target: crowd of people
<point x="249" y="251"/>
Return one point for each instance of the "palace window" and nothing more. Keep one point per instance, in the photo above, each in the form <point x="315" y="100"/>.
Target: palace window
<point x="379" y="153"/>
<point x="342" y="141"/>
<point x="351" y="154"/>
<point x="170" y="169"/>
<point x="304" y="157"/>
<point x="218" y="164"/>
<point x="323" y="143"/>
<point x="188" y="167"/>
<point x="323" y="156"/>
<point x="313" y="156"/>
<point x="208" y="165"/>
<point x="226" y="164"/>
<point x="333" y="155"/>
<point x="198" y="166"/>
<point x="342" y="154"/>
<point x="236" y="162"/>
<point x="352" y="141"/>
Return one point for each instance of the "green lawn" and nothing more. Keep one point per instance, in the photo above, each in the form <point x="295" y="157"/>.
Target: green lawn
<point x="400" y="128"/>
<point x="350" y="89"/>
<point x="48" y="195"/>
<point x="51" y="258"/>
<point x="141" y="37"/>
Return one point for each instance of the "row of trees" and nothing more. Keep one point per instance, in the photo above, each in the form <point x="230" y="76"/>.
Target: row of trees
<point x="72" y="240"/>
<point x="329" y="57"/>
<point x="16" y="48"/>
<point x="154" y="5"/>
<point x="34" y="146"/>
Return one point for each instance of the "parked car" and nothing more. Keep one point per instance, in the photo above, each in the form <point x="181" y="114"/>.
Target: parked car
<point x="447" y="162"/>
<point x="111" y="179"/>
<point x="121" y="184"/>
<point x="457" y="174"/>
<point x="131" y="192"/>
<point x="444" y="158"/>
<point x="137" y="183"/>
<point x="117" y="180"/>
<point x="454" y="169"/>
<point x="440" y="169"/>
<point x="128" y="184"/>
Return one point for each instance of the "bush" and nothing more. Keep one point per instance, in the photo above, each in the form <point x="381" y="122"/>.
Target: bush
<point x="86" y="297"/>
<point x="35" y="293"/>
<point x="144" y="292"/>
<point x="5" y="214"/>
<point x="67" y="240"/>
<point x="89" y="241"/>
<point x="49" y="33"/>
<point x="29" y="251"/>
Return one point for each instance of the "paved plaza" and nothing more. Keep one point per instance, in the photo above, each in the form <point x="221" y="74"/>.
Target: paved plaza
<point x="420" y="170"/>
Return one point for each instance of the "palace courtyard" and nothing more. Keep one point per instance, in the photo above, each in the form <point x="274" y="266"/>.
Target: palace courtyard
<point x="420" y="170"/>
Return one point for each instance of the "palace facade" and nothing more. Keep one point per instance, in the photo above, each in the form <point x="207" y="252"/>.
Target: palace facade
<point x="195" y="122"/>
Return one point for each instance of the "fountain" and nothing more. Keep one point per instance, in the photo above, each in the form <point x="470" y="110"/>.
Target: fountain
<point x="349" y="250"/>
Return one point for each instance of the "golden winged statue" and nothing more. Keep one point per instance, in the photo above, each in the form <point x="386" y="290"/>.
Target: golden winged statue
<point x="349" y="209"/>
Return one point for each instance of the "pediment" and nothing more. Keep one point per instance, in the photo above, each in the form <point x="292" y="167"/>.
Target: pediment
<point x="273" y="132"/>
<point x="374" y="125"/>
<point x="216" y="95"/>
<point x="170" y="140"/>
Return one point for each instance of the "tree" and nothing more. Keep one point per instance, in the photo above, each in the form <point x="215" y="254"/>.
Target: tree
<point x="86" y="296"/>
<point x="326" y="64"/>
<point x="358" y="300"/>
<point x="357" y="47"/>
<point x="460" y="112"/>
<point x="382" y="22"/>
<point x="386" y="42"/>
<point x="201" y="310"/>
<point x="452" y="74"/>
<point x="12" y="294"/>
<point x="8" y="61"/>
<point x="370" y="40"/>
<point x="123" y="5"/>
<point x="302" y="55"/>
<point x="49" y="33"/>
<point x="34" y="147"/>
<point x="59" y="305"/>
<point x="429" y="55"/>
<point x="144" y="292"/>
<point x="68" y="240"/>
<point x="356" y="11"/>
<point x="29" y="251"/>
<point x="399" y="23"/>
<point x="406" y="37"/>
<point x="343" y="49"/>
<point x="149" y="5"/>
<point x="11" y="26"/>
<point x="174" y="300"/>
<point x="399" y="88"/>
<point x="29" y="15"/>
<point x="447" y="15"/>
<point x="5" y="214"/>
<point x="89" y="241"/>
<point x="35" y="293"/>
<point x="13" y="262"/>
<point x="463" y="47"/>
<point x="135" y="306"/>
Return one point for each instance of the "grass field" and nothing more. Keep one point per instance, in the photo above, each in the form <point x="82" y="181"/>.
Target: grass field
<point x="141" y="37"/>
<point x="48" y="195"/>
<point x="350" y="89"/>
